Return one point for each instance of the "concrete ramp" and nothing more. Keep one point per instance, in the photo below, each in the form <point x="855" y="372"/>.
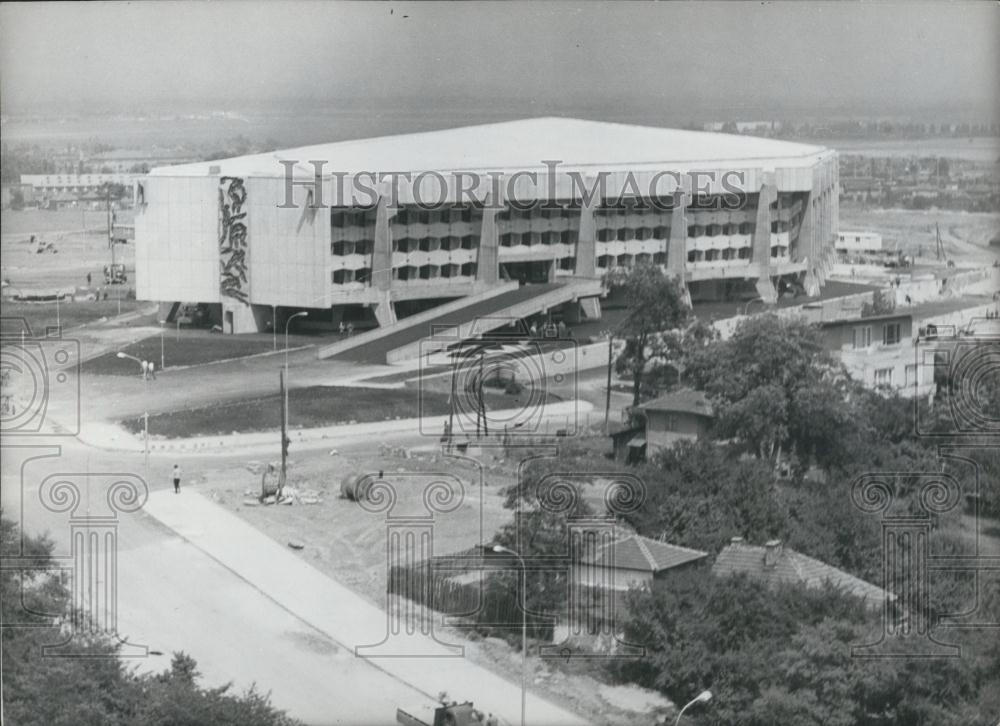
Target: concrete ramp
<point x="467" y="317"/>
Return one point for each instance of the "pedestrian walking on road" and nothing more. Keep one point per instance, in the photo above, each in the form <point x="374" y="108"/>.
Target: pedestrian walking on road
<point x="88" y="279"/>
<point x="350" y="329"/>
<point x="177" y="479"/>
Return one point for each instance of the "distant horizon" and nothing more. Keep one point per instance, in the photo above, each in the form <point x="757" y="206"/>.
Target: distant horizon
<point x="520" y="108"/>
<point x="714" y="61"/>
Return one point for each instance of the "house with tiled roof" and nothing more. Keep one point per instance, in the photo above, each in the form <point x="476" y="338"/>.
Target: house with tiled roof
<point x="681" y="414"/>
<point x="776" y="564"/>
<point x="630" y="560"/>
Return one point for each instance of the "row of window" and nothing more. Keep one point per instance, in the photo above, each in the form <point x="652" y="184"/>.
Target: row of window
<point x="509" y="239"/>
<point x="432" y="244"/>
<point x="430" y="272"/>
<point x="884" y="376"/>
<point x="627" y="234"/>
<point x="408" y="272"/>
<point x="626" y="260"/>
<point x="861" y="336"/>
<point x="365" y="216"/>
<point x="729" y="253"/>
<point x="693" y="230"/>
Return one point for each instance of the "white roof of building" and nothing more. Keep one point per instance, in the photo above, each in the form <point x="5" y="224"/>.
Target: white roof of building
<point x="523" y="144"/>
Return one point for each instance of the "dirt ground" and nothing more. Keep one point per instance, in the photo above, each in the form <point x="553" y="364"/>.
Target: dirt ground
<point x="965" y="235"/>
<point x="348" y="543"/>
<point x="80" y="236"/>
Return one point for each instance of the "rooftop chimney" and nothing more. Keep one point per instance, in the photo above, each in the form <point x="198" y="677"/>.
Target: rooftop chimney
<point x="772" y="549"/>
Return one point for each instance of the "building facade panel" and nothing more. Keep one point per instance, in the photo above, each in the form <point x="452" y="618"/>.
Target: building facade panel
<point x="377" y="252"/>
<point x="177" y="257"/>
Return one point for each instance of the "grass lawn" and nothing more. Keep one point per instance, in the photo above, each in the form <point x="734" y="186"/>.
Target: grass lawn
<point x="310" y="407"/>
<point x="71" y="314"/>
<point x="193" y="347"/>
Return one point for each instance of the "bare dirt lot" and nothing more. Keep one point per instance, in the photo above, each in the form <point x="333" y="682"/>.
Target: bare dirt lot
<point x="78" y="235"/>
<point x="966" y="235"/>
<point x="349" y="543"/>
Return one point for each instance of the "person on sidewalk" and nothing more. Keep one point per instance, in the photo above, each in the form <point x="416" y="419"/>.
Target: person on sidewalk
<point x="177" y="479"/>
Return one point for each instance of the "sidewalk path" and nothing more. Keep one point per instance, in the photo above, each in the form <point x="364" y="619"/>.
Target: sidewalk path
<point x="112" y="437"/>
<point x="338" y="612"/>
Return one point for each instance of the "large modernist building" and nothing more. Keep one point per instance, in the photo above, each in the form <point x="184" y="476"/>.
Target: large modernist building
<point x="393" y="225"/>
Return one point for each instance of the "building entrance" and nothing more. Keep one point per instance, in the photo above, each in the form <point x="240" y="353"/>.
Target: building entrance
<point x="534" y="272"/>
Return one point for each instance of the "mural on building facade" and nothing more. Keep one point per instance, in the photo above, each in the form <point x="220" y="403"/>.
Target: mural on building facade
<point x="233" y="239"/>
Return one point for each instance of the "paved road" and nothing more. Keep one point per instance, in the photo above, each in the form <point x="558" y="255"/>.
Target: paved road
<point x="245" y="608"/>
<point x="337" y="612"/>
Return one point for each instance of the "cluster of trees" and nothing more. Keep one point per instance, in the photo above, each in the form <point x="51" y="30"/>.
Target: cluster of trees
<point x="791" y="435"/>
<point x="783" y="656"/>
<point x="770" y="655"/>
<point x="95" y="687"/>
<point x="659" y="330"/>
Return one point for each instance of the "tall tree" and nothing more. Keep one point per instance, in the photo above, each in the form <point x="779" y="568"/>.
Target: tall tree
<point x="655" y="305"/>
<point x="776" y="389"/>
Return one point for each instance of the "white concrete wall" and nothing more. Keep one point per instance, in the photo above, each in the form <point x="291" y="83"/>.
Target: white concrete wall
<point x="289" y="248"/>
<point x="177" y="245"/>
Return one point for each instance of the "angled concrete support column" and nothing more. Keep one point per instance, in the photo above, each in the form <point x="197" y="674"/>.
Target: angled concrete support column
<point x="762" y="242"/>
<point x="385" y="314"/>
<point x="382" y="251"/>
<point x="591" y="307"/>
<point x="677" y="245"/>
<point x="586" y="240"/>
<point x="488" y="259"/>
<point x="382" y="261"/>
<point x="807" y="242"/>
<point x="828" y="231"/>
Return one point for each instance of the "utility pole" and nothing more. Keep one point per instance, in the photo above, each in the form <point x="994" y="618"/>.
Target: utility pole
<point x="481" y="403"/>
<point x="284" y="434"/>
<point x="607" y="397"/>
<point x="451" y="409"/>
<point x="111" y="239"/>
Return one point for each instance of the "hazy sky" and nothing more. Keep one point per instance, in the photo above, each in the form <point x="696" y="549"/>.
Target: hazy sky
<point x="870" y="56"/>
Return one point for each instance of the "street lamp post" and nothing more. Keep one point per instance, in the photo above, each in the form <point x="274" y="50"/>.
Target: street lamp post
<point x="145" y="414"/>
<point x="524" y="627"/>
<point x="290" y="319"/>
<point x="162" y="359"/>
<point x="274" y="327"/>
<point x="703" y="697"/>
